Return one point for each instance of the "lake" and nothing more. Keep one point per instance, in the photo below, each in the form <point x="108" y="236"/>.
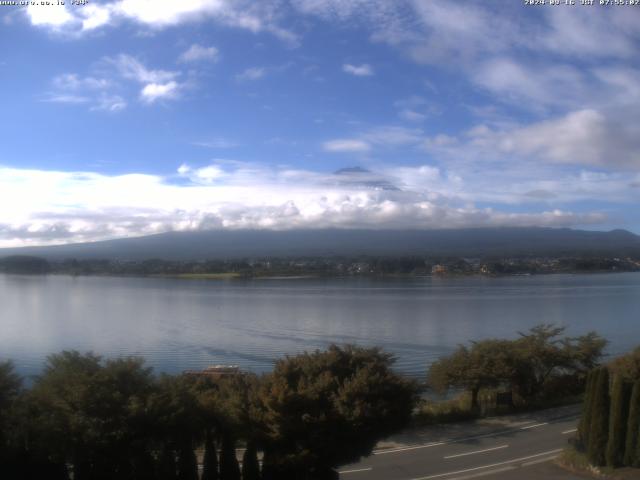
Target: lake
<point x="184" y="324"/>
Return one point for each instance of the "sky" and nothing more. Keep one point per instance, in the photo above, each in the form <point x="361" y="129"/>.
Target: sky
<point x="134" y="117"/>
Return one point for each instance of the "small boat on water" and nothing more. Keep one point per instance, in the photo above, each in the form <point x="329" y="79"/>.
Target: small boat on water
<point x="216" y="371"/>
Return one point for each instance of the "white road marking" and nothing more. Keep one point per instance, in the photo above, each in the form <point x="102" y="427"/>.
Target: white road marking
<point x="515" y="460"/>
<point x="541" y="460"/>
<point x="477" y="451"/>
<point x="534" y="426"/>
<point x="356" y="470"/>
<point x="403" y="449"/>
<point x="573" y="430"/>
<point x="458" y="440"/>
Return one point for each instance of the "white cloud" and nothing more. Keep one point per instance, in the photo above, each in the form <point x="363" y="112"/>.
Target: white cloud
<point x="255" y="17"/>
<point x="411" y="115"/>
<point x="95" y="16"/>
<point x="346" y="145"/>
<point x="384" y="137"/>
<point x="157" y="91"/>
<point x="157" y="84"/>
<point x="71" y="88"/>
<point x="110" y="103"/>
<point x="80" y="206"/>
<point x="393" y="136"/>
<point x="57" y="97"/>
<point x="363" y="70"/>
<point x="536" y="85"/>
<point x="49" y="15"/>
<point x="72" y="81"/>
<point x="585" y="137"/>
<point x="253" y="73"/>
<point x="217" y="142"/>
<point x="197" y="53"/>
<point x="131" y="68"/>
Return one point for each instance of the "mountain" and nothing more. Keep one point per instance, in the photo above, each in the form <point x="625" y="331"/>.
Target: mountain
<point x="202" y="245"/>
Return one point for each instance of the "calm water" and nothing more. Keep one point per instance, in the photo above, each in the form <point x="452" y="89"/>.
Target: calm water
<point x="180" y="324"/>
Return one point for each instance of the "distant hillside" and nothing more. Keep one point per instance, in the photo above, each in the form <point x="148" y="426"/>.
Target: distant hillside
<point x="260" y="243"/>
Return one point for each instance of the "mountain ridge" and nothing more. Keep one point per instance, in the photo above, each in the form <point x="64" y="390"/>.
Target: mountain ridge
<point x="468" y="242"/>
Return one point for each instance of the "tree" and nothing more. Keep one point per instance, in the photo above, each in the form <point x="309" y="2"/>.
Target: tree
<point x="587" y="405"/>
<point x="618" y="418"/>
<point x="210" y="462"/>
<point x="229" y="468"/>
<point x="632" y="444"/>
<point x="11" y="452"/>
<point x="329" y="408"/>
<point x="627" y="365"/>
<point x="187" y="462"/>
<point x="487" y="364"/>
<point x="527" y="365"/>
<point x="93" y="414"/>
<point x="167" y="468"/>
<point x="599" y="429"/>
<point x="250" y="465"/>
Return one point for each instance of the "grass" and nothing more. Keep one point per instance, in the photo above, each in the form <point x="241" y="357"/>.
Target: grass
<point x="457" y="409"/>
<point x="575" y="461"/>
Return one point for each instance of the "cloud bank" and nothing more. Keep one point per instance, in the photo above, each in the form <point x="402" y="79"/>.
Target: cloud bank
<point x="85" y="206"/>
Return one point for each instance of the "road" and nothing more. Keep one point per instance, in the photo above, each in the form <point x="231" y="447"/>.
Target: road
<point x="518" y="449"/>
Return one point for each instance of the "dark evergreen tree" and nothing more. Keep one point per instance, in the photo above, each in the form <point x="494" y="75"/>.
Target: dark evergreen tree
<point x="326" y="409"/>
<point x="187" y="462"/>
<point x="250" y="465"/>
<point x="210" y="466"/>
<point x="167" y="468"/>
<point x="229" y="468"/>
<point x="585" y="420"/>
<point x="599" y="429"/>
<point x="618" y="418"/>
<point x="633" y="428"/>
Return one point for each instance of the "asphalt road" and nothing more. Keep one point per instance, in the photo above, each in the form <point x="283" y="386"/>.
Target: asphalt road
<point x="519" y="451"/>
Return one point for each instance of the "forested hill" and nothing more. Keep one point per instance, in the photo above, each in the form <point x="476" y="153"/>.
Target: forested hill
<point x="200" y="245"/>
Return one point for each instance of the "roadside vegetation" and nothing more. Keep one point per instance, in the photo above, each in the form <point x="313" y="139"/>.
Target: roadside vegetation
<point x="85" y="417"/>
<point x="541" y="368"/>
<point x="91" y="418"/>
<point x="609" y="430"/>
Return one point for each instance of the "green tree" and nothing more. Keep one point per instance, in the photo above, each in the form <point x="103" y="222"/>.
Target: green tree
<point x="618" y="418"/>
<point x="527" y="365"/>
<point x="229" y="468"/>
<point x="210" y="462"/>
<point x="486" y="364"/>
<point x="11" y="428"/>
<point x="627" y="365"/>
<point x="167" y="468"/>
<point x="329" y="408"/>
<point x="587" y="405"/>
<point x="599" y="429"/>
<point x="187" y="462"/>
<point x="250" y="465"/>
<point x="93" y="414"/>
<point x="631" y="458"/>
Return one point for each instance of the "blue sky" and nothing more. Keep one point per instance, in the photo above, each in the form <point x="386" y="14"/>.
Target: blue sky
<point x="132" y="117"/>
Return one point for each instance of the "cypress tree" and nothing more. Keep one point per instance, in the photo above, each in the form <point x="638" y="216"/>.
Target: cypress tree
<point x="633" y="428"/>
<point x="250" y="465"/>
<point x="599" y="428"/>
<point x="210" y="467"/>
<point x="583" y="426"/>
<point x="167" y="465"/>
<point x="229" y="468"/>
<point x="187" y="463"/>
<point x="618" y="418"/>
